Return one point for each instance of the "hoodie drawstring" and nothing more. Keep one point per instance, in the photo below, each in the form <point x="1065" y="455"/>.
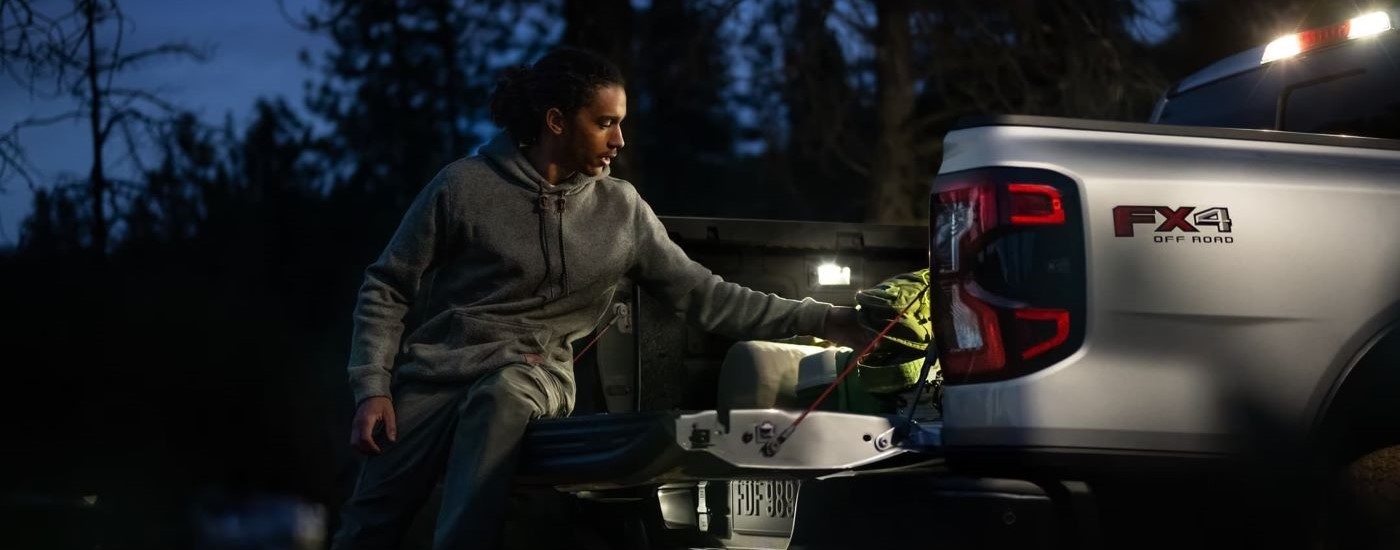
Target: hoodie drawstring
<point x="563" y="256"/>
<point x="542" y="205"/>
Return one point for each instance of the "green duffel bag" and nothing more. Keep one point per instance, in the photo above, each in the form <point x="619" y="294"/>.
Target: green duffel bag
<point x="895" y="363"/>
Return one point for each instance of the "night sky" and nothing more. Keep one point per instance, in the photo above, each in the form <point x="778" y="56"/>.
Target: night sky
<point x="254" y="53"/>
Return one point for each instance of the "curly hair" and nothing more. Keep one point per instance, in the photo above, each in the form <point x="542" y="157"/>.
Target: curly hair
<point x="565" y="78"/>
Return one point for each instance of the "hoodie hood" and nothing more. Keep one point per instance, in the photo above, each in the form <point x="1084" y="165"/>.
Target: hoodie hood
<point x="509" y="156"/>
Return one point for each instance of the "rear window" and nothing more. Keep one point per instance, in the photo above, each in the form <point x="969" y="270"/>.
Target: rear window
<point x="1361" y="103"/>
<point x="1246" y="100"/>
<point x="1352" y="89"/>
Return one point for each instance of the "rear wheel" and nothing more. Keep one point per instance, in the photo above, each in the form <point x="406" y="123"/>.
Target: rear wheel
<point x="1364" y="424"/>
<point x="1369" y="491"/>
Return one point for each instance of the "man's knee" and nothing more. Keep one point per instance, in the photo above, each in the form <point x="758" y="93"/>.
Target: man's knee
<point x="513" y="391"/>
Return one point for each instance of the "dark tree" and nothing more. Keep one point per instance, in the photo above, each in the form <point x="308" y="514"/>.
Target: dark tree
<point x="683" y="135"/>
<point x="603" y="26"/>
<point x="894" y="171"/>
<point x="607" y="27"/>
<point x="803" y="110"/>
<point x="407" y="85"/>
<point x="171" y="208"/>
<point x="77" y="53"/>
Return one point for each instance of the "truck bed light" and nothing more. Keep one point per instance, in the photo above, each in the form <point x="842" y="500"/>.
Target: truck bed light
<point x="832" y="274"/>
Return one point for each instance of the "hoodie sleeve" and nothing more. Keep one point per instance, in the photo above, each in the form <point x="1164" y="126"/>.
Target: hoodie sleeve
<point x="391" y="283"/>
<point x="706" y="300"/>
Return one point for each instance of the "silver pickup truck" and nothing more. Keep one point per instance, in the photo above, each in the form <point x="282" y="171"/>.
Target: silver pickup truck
<point x="1170" y="334"/>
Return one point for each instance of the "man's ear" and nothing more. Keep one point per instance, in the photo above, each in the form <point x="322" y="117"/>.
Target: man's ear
<point x="554" y="121"/>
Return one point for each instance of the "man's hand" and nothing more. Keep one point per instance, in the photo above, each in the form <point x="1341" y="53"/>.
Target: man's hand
<point x="368" y="415"/>
<point x="843" y="328"/>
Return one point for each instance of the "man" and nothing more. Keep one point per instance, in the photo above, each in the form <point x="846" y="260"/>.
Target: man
<point x="525" y="243"/>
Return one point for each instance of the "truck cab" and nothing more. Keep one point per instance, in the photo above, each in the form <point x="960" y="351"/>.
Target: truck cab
<point x="1341" y="79"/>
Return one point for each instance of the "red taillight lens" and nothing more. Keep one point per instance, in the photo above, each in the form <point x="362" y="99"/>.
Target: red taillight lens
<point x="1007" y="265"/>
<point x="1035" y="204"/>
<point x="1043" y="340"/>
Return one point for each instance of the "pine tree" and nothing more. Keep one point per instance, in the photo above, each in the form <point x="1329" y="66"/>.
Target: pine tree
<point x="407" y="86"/>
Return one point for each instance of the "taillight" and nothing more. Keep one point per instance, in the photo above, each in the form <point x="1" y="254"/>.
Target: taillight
<point x="1007" y="266"/>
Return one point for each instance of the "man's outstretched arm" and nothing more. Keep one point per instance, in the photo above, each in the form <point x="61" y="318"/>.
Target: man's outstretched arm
<point x="726" y="308"/>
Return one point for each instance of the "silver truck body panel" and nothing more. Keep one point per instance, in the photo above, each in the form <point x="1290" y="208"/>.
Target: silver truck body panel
<point x="1190" y="345"/>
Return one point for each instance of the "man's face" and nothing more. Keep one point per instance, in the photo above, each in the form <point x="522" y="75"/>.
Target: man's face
<point x="594" y="134"/>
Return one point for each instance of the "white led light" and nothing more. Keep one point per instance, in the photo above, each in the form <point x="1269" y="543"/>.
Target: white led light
<point x="965" y="324"/>
<point x="952" y="221"/>
<point x="1287" y="46"/>
<point x="832" y="274"/>
<point x="1368" y="25"/>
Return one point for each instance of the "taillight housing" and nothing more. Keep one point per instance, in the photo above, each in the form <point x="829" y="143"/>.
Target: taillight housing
<point x="1007" y="272"/>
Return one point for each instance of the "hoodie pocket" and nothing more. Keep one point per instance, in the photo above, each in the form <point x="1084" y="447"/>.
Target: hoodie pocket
<point x="495" y="341"/>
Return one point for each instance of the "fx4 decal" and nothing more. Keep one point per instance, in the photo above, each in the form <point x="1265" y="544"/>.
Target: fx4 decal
<point x="1167" y="220"/>
<point x="1125" y="217"/>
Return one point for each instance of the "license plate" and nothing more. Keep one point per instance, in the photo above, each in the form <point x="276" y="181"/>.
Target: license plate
<point x="762" y="507"/>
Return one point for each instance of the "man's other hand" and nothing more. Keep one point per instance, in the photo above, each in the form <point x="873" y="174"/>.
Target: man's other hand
<point x="843" y="328"/>
<point x="368" y="415"/>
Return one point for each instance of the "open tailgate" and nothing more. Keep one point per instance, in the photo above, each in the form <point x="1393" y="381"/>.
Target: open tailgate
<point x="652" y="448"/>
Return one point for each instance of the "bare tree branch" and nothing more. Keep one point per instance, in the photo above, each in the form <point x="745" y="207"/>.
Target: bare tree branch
<point x="171" y="49"/>
<point x="121" y="24"/>
<point x="33" y="121"/>
<point x="131" y="141"/>
<point x="308" y="21"/>
<point x="132" y="95"/>
<point x="70" y="52"/>
<point x="13" y="159"/>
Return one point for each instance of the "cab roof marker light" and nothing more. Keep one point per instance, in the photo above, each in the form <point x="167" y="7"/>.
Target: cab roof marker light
<point x="1284" y="47"/>
<point x="1288" y="46"/>
<point x="1370" y="24"/>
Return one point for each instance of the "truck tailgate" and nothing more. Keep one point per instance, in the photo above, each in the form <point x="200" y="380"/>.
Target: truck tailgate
<point x="651" y="448"/>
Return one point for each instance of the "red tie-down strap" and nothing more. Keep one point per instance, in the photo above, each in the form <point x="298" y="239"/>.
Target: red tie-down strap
<point x="771" y="448"/>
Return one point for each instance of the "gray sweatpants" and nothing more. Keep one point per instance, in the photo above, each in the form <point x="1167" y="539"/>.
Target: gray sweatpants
<point x="468" y="435"/>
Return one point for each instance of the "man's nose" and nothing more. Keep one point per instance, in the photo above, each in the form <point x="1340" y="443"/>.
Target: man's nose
<point x="615" y="140"/>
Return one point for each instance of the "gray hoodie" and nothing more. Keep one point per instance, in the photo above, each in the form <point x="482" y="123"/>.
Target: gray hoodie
<point x="506" y="268"/>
